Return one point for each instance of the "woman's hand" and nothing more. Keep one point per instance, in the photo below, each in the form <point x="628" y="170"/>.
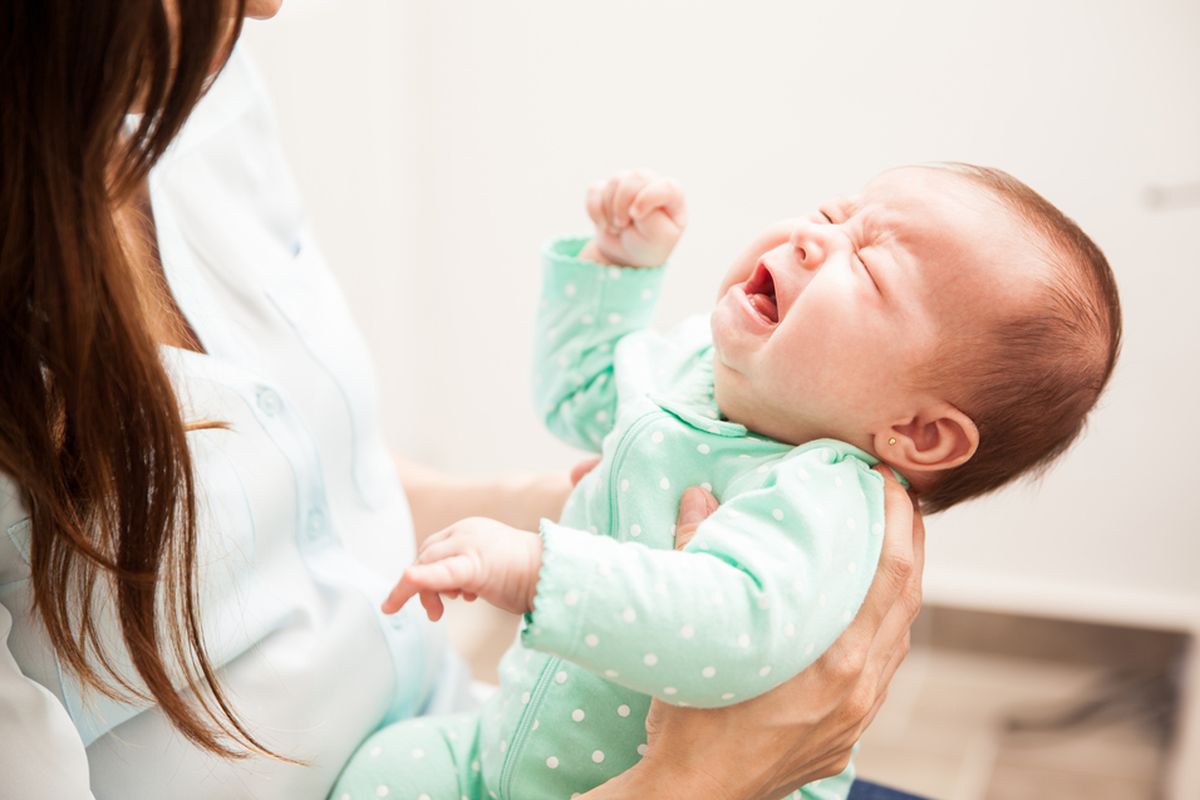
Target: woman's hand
<point x="804" y="729"/>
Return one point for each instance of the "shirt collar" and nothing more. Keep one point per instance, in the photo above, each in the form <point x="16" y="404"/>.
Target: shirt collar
<point x="691" y="399"/>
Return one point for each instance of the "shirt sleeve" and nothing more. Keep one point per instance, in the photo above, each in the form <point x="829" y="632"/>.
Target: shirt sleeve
<point x="767" y="584"/>
<point x="42" y="755"/>
<point x="585" y="310"/>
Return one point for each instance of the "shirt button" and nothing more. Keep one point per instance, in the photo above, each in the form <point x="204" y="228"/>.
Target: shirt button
<point x="269" y="401"/>
<point x="316" y="522"/>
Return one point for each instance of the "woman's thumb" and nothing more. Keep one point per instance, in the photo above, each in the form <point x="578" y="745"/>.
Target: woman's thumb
<point x="694" y="507"/>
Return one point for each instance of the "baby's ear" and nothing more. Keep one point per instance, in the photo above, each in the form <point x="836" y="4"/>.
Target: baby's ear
<point x="938" y="438"/>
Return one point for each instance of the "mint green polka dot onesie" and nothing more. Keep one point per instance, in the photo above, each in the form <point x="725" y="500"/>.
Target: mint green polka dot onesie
<point x="767" y="584"/>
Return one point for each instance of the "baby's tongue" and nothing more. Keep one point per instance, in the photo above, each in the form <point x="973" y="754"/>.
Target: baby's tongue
<point x="764" y="305"/>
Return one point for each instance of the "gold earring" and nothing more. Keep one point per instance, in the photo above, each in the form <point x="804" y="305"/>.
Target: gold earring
<point x="892" y="440"/>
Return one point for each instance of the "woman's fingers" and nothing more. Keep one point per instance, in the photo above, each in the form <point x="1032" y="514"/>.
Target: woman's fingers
<point x="896" y="564"/>
<point x="696" y="505"/>
<point x="889" y="670"/>
<point x="918" y="526"/>
<point x="806" y="727"/>
<point x="869" y="640"/>
<point x="899" y="619"/>
<point x="893" y="639"/>
<point x="583" y="468"/>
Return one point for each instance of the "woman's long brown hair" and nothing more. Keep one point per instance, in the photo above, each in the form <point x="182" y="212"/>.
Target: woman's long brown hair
<point x="90" y="428"/>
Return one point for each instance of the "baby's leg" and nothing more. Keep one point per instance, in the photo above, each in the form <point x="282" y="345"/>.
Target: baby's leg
<point x="429" y="758"/>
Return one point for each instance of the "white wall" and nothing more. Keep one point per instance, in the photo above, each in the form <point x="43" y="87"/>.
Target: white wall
<point x="439" y="143"/>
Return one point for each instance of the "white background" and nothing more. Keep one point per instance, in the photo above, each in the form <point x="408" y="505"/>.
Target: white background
<point x="438" y="144"/>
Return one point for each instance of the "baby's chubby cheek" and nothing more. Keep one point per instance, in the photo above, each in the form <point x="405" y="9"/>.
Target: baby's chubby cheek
<point x="730" y="345"/>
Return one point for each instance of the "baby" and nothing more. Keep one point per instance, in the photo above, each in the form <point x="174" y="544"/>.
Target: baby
<point x="947" y="322"/>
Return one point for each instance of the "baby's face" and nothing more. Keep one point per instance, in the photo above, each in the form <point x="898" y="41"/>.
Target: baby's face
<point x="823" y="328"/>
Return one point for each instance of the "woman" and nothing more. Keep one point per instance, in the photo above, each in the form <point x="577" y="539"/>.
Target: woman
<point x="192" y="475"/>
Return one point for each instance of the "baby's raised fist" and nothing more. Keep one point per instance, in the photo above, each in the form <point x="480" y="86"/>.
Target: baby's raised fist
<point x="639" y="216"/>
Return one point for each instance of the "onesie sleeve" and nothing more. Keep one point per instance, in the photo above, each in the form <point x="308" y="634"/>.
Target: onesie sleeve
<point x="585" y="309"/>
<point x="42" y="755"/>
<point x="767" y="584"/>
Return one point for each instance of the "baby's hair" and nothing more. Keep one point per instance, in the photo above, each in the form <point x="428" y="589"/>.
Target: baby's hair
<point x="1042" y="370"/>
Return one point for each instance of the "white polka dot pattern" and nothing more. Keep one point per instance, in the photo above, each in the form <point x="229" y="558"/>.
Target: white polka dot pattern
<point x="768" y="581"/>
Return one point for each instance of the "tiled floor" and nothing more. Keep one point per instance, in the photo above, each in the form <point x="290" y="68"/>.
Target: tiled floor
<point x="944" y="731"/>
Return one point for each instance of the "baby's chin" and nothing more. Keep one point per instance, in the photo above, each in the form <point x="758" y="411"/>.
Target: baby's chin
<point x="736" y="400"/>
<point x="723" y="378"/>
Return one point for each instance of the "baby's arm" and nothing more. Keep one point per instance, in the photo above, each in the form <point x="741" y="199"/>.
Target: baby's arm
<point x="768" y="582"/>
<point x="587" y="307"/>
<point x="766" y="585"/>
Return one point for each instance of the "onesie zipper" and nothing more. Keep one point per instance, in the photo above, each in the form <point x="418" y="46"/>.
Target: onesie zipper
<point x="549" y="668"/>
<point x="523" y="724"/>
<point x="618" y="457"/>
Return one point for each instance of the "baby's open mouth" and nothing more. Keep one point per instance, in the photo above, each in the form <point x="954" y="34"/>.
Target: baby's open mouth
<point x="760" y="292"/>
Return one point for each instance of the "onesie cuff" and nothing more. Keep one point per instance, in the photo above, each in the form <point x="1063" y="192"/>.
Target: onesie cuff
<point x="570" y="560"/>
<point x="634" y="290"/>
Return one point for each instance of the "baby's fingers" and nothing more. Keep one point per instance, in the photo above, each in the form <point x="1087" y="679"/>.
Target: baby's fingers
<point x="595" y="206"/>
<point x="662" y="193"/>
<point x="433" y="605"/>
<point x="628" y="186"/>
<point x="456" y="573"/>
<point x="401" y="593"/>
<point x="607" y="195"/>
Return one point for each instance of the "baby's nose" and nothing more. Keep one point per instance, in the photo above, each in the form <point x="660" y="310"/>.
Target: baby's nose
<point x="809" y="245"/>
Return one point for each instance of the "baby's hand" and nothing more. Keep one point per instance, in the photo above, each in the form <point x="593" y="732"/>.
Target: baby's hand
<point x="639" y="217"/>
<point x="474" y="557"/>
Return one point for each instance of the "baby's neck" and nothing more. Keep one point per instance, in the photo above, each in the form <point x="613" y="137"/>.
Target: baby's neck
<point x="794" y="430"/>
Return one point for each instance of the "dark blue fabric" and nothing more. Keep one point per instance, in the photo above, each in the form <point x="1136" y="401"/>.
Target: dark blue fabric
<point x="865" y="790"/>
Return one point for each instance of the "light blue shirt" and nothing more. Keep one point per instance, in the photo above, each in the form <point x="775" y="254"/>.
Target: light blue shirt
<point x="295" y="498"/>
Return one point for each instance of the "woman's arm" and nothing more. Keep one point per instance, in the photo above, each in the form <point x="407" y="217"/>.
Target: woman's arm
<point x="804" y="729"/>
<point x="520" y="500"/>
